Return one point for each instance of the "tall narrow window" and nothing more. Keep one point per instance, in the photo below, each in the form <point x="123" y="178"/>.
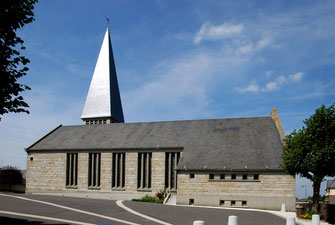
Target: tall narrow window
<point x="118" y="170"/>
<point x="171" y="162"/>
<point x="71" y="169"/>
<point x="144" y="170"/>
<point x="94" y="169"/>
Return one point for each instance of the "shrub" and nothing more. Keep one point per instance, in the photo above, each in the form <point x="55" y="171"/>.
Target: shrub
<point x="148" y="198"/>
<point x="161" y="194"/>
<point x="308" y="214"/>
<point x="10" y="175"/>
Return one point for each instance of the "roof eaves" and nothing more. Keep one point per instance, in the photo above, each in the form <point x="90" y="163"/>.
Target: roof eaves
<point x="27" y="149"/>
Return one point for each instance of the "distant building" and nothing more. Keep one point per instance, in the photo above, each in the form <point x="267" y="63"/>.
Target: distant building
<point x="216" y="162"/>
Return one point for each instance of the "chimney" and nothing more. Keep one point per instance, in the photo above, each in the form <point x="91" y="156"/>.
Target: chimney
<point x="274" y="116"/>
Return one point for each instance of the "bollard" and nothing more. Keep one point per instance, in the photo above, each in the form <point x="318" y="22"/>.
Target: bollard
<point x="283" y="208"/>
<point x="315" y="219"/>
<point x="198" y="222"/>
<point x="290" y="221"/>
<point x="232" y="220"/>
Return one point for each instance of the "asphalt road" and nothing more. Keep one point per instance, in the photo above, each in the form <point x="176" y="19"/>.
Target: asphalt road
<point x="95" y="211"/>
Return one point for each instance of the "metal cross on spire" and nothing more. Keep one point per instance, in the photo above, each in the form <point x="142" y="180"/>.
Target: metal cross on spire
<point x="107" y="18"/>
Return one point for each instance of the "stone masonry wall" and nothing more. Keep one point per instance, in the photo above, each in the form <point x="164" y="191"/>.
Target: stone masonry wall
<point x="47" y="173"/>
<point x="270" y="191"/>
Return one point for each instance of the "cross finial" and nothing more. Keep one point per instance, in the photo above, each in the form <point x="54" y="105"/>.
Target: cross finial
<point x="107" y="18"/>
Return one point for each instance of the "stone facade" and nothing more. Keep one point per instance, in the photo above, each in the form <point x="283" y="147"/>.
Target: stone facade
<point x="268" y="192"/>
<point x="46" y="173"/>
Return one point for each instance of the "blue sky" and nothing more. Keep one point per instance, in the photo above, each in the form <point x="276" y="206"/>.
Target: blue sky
<point x="177" y="60"/>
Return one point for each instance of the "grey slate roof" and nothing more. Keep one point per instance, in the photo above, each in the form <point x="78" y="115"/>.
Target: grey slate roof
<point x="330" y="184"/>
<point x="214" y="144"/>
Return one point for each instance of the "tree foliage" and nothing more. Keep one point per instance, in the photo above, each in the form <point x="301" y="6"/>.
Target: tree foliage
<point x="13" y="15"/>
<point x="310" y="152"/>
<point x="10" y="175"/>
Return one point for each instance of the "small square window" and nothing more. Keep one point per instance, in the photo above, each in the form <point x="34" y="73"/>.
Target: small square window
<point x="256" y="176"/>
<point x="100" y="121"/>
<point x="221" y="202"/>
<point x="191" y="201"/>
<point x="31" y="158"/>
<point x="222" y="176"/>
<point x="211" y="176"/>
<point x="95" y="121"/>
<point x="232" y="203"/>
<point x="91" y="122"/>
<point x="244" y="203"/>
<point x="233" y="176"/>
<point x="192" y="175"/>
<point x="245" y="177"/>
<point x="104" y="121"/>
<point x="87" y="122"/>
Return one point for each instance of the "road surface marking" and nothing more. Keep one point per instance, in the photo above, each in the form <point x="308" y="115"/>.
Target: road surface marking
<point x="44" y="218"/>
<point x="120" y="204"/>
<point x="72" y="209"/>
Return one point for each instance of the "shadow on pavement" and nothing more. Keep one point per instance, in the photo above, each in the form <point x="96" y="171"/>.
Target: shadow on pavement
<point x="15" y="221"/>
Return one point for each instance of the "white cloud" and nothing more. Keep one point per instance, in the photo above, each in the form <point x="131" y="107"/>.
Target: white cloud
<point x="179" y="87"/>
<point x="271" y="86"/>
<point x="296" y="77"/>
<point x="264" y="42"/>
<point x="211" y="32"/>
<point x="281" y="80"/>
<point x="245" y="49"/>
<point x="276" y="84"/>
<point x="253" y="87"/>
<point x="47" y="111"/>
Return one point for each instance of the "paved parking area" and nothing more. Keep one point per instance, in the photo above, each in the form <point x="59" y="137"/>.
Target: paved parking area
<point x="43" y="209"/>
<point x="211" y="216"/>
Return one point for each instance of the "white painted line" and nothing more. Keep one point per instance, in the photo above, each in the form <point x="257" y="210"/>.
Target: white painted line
<point x="120" y="204"/>
<point x="44" y="218"/>
<point x="72" y="209"/>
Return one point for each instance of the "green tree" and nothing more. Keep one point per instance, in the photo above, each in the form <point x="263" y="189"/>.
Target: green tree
<point x="310" y="152"/>
<point x="10" y="175"/>
<point x="14" y="14"/>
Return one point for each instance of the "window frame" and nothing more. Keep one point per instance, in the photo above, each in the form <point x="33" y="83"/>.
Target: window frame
<point x="144" y="173"/>
<point x="71" y="178"/>
<point x="118" y="170"/>
<point x="94" y="170"/>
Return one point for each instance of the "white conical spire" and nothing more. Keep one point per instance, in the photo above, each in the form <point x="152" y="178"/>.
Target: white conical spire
<point x="103" y="98"/>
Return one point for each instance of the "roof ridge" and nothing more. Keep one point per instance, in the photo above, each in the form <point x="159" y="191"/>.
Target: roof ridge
<point x="164" y="121"/>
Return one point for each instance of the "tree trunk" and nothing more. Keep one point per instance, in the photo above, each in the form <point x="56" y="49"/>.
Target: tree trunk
<point x="316" y="194"/>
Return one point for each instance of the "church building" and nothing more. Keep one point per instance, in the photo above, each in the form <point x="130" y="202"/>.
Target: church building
<point x="231" y="162"/>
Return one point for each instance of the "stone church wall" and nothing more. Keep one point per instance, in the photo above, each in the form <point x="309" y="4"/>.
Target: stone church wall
<point x="268" y="192"/>
<point x="46" y="173"/>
